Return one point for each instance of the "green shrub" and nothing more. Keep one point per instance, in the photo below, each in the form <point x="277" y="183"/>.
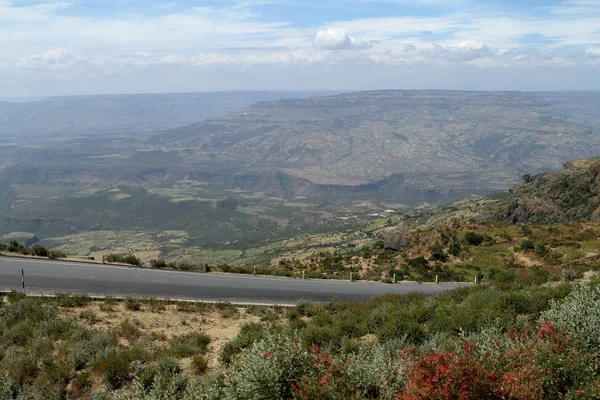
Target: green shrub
<point x="128" y="330"/>
<point x="108" y="304"/>
<point x="249" y="334"/>
<point x="116" y="366"/>
<point x="227" y="310"/>
<point x="158" y="264"/>
<point x="156" y="376"/>
<point x="132" y="303"/>
<point x="20" y="366"/>
<point x="54" y="254"/>
<point x="90" y="350"/>
<point x="156" y="305"/>
<point x="502" y="276"/>
<point x="15" y="296"/>
<point x="268" y="369"/>
<point x="540" y="249"/>
<point x="69" y="300"/>
<point x="527" y="245"/>
<point x="437" y="253"/>
<point x="189" y="344"/>
<point x="39" y="250"/>
<point x="571" y="274"/>
<point x="15" y="247"/>
<point x="579" y="313"/>
<point x="130" y="259"/>
<point x="89" y="316"/>
<point x="199" y="364"/>
<point x="473" y="238"/>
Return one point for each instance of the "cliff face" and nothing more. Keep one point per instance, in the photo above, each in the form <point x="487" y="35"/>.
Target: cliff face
<point x="571" y="194"/>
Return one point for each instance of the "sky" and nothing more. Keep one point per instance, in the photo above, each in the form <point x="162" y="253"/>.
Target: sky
<point x="68" y="47"/>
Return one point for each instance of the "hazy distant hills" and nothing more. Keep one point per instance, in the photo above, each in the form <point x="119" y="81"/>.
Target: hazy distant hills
<point x="275" y="168"/>
<point x="436" y="139"/>
<point x="121" y="114"/>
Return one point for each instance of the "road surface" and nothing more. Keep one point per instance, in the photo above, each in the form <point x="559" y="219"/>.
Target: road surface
<point x="55" y="276"/>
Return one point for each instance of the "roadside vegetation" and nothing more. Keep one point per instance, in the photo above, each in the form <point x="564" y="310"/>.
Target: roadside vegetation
<point x="494" y="252"/>
<point x="504" y="341"/>
<point x="14" y="247"/>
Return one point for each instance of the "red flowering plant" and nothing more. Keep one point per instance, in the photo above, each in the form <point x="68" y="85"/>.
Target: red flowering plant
<point x="324" y="379"/>
<point x="547" y="364"/>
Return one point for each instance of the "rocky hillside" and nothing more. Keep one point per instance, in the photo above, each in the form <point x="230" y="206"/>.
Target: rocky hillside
<point x="571" y="194"/>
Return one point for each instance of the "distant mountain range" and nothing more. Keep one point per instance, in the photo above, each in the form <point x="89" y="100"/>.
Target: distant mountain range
<point x="80" y="116"/>
<point x="436" y="139"/>
<point x="280" y="168"/>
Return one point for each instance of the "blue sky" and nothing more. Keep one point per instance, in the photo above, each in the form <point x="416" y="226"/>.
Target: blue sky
<point x="59" y="47"/>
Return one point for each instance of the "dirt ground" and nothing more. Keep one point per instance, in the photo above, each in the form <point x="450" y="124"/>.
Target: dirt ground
<point x="162" y="325"/>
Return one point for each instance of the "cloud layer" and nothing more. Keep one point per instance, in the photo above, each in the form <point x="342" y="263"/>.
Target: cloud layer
<point x="60" y="44"/>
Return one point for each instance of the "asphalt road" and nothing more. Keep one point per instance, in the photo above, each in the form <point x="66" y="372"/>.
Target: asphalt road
<point x="53" y="276"/>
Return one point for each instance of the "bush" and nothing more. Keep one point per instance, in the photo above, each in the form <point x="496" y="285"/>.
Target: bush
<point x="123" y="259"/>
<point x="158" y="264"/>
<point x="132" y="303"/>
<point x="156" y="305"/>
<point x="249" y="334"/>
<point x="89" y="351"/>
<point x="473" y="238"/>
<point x="571" y="274"/>
<point x="128" y="330"/>
<point x="199" y="364"/>
<point x="188" y="345"/>
<point x="108" y="304"/>
<point x="57" y="254"/>
<point x="579" y="313"/>
<point x="437" y="253"/>
<point x="527" y="245"/>
<point x="15" y="247"/>
<point x="541" y="250"/>
<point x="39" y="250"/>
<point x="72" y="300"/>
<point x="116" y="367"/>
<point x="268" y="369"/>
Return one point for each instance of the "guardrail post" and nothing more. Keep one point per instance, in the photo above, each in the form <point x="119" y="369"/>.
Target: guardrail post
<point x="436" y="279"/>
<point x="394" y="278"/>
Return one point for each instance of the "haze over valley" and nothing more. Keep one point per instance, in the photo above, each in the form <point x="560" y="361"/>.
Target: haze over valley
<point x="260" y="167"/>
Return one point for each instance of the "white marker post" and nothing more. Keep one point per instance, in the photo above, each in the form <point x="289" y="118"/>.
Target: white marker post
<point x="23" y="279"/>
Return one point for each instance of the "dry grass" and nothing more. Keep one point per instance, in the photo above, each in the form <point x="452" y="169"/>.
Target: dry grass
<point x="159" y="327"/>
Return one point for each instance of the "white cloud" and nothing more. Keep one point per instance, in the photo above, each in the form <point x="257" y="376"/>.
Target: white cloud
<point x="593" y="52"/>
<point x="43" y="41"/>
<point x="52" y="59"/>
<point x="339" y="39"/>
<point x="249" y="58"/>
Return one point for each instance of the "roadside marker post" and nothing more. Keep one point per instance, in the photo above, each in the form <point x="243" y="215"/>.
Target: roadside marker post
<point x="436" y="279"/>
<point x="351" y="277"/>
<point x="394" y="280"/>
<point x="23" y="279"/>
